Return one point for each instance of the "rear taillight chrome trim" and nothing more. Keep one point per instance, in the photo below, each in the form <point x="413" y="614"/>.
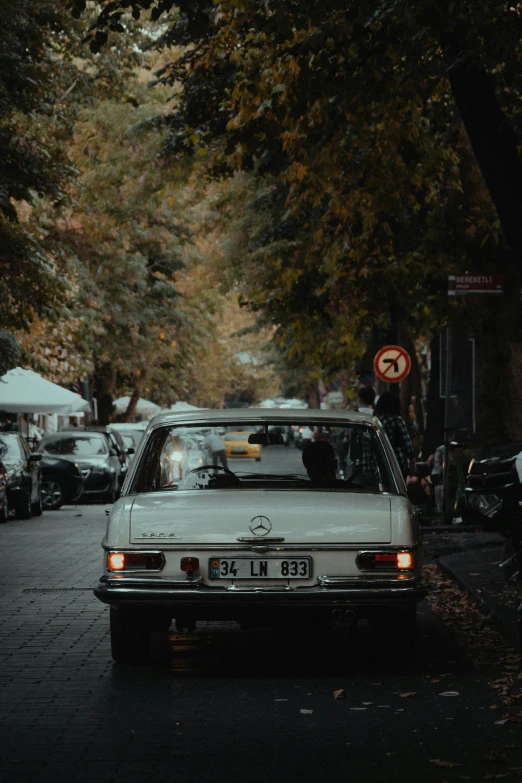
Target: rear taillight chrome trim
<point x="384" y="560"/>
<point x="147" y="560"/>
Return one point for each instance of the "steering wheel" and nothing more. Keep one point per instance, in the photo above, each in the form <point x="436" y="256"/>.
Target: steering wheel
<point x="211" y="467"/>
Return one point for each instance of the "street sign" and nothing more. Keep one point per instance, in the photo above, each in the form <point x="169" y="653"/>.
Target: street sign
<point x="458" y="285"/>
<point x="392" y="364"/>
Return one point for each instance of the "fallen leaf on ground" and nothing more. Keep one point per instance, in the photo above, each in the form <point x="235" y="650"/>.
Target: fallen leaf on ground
<point x="501" y="722"/>
<point x="408" y="694"/>
<point x="280" y="699"/>
<point x="357" y="708"/>
<point x="495" y="756"/>
<point x="306" y="712"/>
<point x="338" y="694"/>
<point x="449" y="693"/>
<point x="449" y="764"/>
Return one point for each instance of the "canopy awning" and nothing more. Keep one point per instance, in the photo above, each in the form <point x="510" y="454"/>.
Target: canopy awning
<point x="181" y="406"/>
<point x="144" y="407"/>
<point x="24" y="391"/>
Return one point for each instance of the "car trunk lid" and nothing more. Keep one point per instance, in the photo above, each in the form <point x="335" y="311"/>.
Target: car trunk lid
<point x="299" y="517"/>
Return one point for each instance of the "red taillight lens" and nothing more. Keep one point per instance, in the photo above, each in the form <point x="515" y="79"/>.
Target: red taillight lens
<point x="384" y="561"/>
<point x="189" y="564"/>
<point x="135" y="561"/>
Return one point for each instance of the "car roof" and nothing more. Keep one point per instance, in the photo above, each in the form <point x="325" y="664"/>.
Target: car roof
<point x="128" y="426"/>
<point x="72" y="433"/>
<point x="260" y="415"/>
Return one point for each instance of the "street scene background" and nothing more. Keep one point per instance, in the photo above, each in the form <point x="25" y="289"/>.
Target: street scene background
<point x="262" y="204"/>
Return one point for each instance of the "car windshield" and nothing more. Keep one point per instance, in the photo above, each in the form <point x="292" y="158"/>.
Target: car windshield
<point x="85" y="446"/>
<point x="272" y="455"/>
<point x="9" y="448"/>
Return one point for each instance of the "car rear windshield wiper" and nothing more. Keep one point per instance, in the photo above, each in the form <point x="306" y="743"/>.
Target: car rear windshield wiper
<point x="274" y="476"/>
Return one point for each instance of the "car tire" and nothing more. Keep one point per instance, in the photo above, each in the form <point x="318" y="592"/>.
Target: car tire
<point x="4" y="511"/>
<point x="258" y="459"/>
<point x="37" y="508"/>
<point x="23" y="507"/>
<point x="131" y="636"/>
<point x="53" y="494"/>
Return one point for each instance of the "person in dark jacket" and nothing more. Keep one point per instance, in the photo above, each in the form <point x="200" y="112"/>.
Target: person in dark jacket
<point x="8" y="422"/>
<point x="388" y="411"/>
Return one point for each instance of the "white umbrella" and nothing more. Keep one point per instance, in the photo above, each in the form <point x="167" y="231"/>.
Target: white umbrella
<point x="144" y="407"/>
<point x="24" y="391"/>
<point x="181" y="406"/>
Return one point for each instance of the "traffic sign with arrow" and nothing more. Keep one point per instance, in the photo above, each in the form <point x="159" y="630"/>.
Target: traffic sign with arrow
<point x="392" y="363"/>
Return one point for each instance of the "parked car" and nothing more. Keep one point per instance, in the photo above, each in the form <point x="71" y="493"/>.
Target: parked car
<point x="24" y="483"/>
<point x="97" y="459"/>
<point x="117" y="444"/>
<point x="131" y="434"/>
<point x="62" y="482"/>
<point x="292" y="545"/>
<point x="4" y="504"/>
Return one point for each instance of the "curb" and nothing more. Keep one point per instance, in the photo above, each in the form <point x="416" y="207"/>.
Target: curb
<point x="478" y="600"/>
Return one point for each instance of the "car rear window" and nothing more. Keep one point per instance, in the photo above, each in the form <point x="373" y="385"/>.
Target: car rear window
<point x="285" y="456"/>
<point x="85" y="446"/>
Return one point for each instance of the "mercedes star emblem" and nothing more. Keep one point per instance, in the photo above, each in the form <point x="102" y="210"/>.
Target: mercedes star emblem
<point x="260" y="526"/>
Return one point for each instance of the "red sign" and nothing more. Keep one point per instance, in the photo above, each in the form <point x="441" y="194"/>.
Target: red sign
<point x="392" y="364"/>
<point x="475" y="284"/>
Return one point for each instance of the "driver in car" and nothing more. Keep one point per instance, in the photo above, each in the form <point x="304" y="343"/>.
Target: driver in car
<point x="321" y="465"/>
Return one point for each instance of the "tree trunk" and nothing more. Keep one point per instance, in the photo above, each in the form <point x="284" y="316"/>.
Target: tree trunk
<point x="130" y="413"/>
<point x="104" y="384"/>
<point x="494" y="144"/>
<point x="434" y="432"/>
<point x="495" y="323"/>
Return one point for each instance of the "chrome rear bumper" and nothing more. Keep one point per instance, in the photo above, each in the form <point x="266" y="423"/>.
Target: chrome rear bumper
<point x="329" y="591"/>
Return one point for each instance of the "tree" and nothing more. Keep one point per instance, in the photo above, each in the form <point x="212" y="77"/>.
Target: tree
<point x="350" y="109"/>
<point x="31" y="161"/>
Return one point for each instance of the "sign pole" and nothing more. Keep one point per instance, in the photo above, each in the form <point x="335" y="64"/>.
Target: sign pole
<point x="445" y="473"/>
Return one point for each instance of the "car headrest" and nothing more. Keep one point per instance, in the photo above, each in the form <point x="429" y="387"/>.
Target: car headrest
<point x="263" y="439"/>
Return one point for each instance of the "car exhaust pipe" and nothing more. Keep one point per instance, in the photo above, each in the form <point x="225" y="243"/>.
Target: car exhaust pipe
<point x="343" y="618"/>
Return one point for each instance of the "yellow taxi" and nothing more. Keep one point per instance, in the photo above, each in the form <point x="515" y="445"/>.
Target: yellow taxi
<point x="237" y="445"/>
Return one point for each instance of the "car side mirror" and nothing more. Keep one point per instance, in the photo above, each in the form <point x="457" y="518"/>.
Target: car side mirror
<point x="35" y="457"/>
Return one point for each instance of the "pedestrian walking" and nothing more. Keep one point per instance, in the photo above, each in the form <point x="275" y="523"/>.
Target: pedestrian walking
<point x="8" y="422"/>
<point x="387" y="411"/>
<point x="216" y="448"/>
<point x="366" y="400"/>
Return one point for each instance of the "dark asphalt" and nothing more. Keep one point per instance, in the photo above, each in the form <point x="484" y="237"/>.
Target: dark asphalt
<point x="220" y="704"/>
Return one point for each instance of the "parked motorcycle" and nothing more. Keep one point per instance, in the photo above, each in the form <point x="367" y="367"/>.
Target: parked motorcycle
<point x="491" y="491"/>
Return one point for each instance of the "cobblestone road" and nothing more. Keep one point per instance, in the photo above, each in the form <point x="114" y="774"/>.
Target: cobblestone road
<point x="218" y="705"/>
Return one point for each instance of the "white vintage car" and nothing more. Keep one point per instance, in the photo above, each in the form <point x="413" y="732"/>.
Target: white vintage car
<point x="322" y="535"/>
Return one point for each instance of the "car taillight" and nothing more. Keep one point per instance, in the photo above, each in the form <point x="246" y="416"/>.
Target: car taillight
<point x="189" y="564"/>
<point x="384" y="561"/>
<point x="135" y="561"/>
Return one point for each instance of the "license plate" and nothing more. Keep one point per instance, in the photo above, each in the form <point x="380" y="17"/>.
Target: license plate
<point x="260" y="568"/>
<point x="238" y="451"/>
